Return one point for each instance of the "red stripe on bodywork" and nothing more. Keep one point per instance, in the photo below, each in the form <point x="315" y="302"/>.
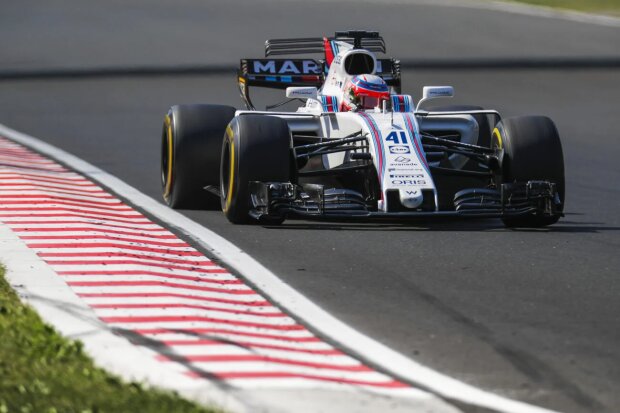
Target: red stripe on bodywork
<point x="329" y="52"/>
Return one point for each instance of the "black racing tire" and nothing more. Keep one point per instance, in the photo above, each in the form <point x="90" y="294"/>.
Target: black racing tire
<point x="190" y="154"/>
<point x="255" y="148"/>
<point x="484" y="127"/>
<point x="532" y="151"/>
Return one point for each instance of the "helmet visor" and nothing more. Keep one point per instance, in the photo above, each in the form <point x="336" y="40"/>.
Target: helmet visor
<point x="370" y="102"/>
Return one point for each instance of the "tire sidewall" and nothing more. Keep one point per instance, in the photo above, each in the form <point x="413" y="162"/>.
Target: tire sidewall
<point x="255" y="148"/>
<point x="191" y="141"/>
<point x="230" y="187"/>
<point x="530" y="150"/>
<point x="167" y="159"/>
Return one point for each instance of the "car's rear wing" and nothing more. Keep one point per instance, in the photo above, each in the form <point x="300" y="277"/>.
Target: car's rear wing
<point x="282" y="73"/>
<point x="370" y="41"/>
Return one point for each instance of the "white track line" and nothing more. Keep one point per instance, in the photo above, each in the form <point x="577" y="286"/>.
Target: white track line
<point x="282" y="293"/>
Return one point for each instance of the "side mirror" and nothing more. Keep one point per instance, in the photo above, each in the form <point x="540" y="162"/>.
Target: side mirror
<point x="434" y="92"/>
<point x="303" y="92"/>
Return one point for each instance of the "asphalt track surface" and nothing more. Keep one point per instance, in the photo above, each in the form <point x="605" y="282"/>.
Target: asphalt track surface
<point x="533" y="315"/>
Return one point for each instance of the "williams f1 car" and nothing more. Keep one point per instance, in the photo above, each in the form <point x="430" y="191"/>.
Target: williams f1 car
<point x="357" y="147"/>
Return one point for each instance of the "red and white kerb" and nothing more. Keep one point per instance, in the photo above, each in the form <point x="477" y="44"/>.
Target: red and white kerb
<point x="141" y="279"/>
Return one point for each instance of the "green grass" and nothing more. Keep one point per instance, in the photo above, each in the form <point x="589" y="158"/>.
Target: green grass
<point x="591" y="6"/>
<point x="42" y="372"/>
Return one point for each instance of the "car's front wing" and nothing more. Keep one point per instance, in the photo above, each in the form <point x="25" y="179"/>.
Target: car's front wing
<point x="283" y="199"/>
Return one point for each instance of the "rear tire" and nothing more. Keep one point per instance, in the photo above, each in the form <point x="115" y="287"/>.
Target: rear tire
<point x="532" y="151"/>
<point x="255" y="148"/>
<point x="190" y="154"/>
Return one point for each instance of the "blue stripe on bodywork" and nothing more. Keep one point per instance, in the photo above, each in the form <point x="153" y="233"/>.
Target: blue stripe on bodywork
<point x="376" y="135"/>
<point x="335" y="104"/>
<point x="395" y="103"/>
<point x="411" y="127"/>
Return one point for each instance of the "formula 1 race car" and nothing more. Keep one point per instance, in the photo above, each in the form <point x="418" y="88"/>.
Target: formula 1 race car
<point x="357" y="148"/>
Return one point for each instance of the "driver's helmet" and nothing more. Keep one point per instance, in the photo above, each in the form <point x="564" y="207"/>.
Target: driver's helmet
<point x="364" y="92"/>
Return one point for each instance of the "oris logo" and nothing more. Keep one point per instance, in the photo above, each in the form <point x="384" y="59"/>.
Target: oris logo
<point x="407" y="182"/>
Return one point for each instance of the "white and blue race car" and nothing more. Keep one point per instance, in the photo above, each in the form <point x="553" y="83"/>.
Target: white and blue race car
<point x="357" y="147"/>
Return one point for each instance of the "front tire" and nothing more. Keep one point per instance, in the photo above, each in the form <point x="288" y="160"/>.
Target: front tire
<point x="190" y="154"/>
<point x="532" y="151"/>
<point x="255" y="148"/>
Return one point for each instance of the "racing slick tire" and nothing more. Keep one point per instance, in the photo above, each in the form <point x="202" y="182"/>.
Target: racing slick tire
<point x="255" y="148"/>
<point x="190" y="154"/>
<point x="484" y="127"/>
<point x="532" y="151"/>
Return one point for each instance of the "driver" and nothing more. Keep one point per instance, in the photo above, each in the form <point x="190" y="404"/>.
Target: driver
<point x="364" y="92"/>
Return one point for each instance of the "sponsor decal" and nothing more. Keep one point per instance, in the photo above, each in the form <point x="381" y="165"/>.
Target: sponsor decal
<point x="408" y="166"/>
<point x="407" y="182"/>
<point x="397" y="137"/>
<point x="402" y="159"/>
<point x="286" y="67"/>
<point x="406" y="176"/>
<point x="438" y="92"/>
<point x="302" y="91"/>
<point x="405" y="170"/>
<point x="399" y="149"/>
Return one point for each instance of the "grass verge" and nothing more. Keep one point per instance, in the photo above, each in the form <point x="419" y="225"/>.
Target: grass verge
<point x="42" y="372"/>
<point x="611" y="7"/>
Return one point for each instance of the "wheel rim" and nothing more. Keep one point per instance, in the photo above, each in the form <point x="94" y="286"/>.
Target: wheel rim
<point x="497" y="136"/>
<point x="227" y="172"/>
<point x="166" y="158"/>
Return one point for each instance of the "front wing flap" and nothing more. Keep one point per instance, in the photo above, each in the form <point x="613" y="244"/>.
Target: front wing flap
<point x="284" y="199"/>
